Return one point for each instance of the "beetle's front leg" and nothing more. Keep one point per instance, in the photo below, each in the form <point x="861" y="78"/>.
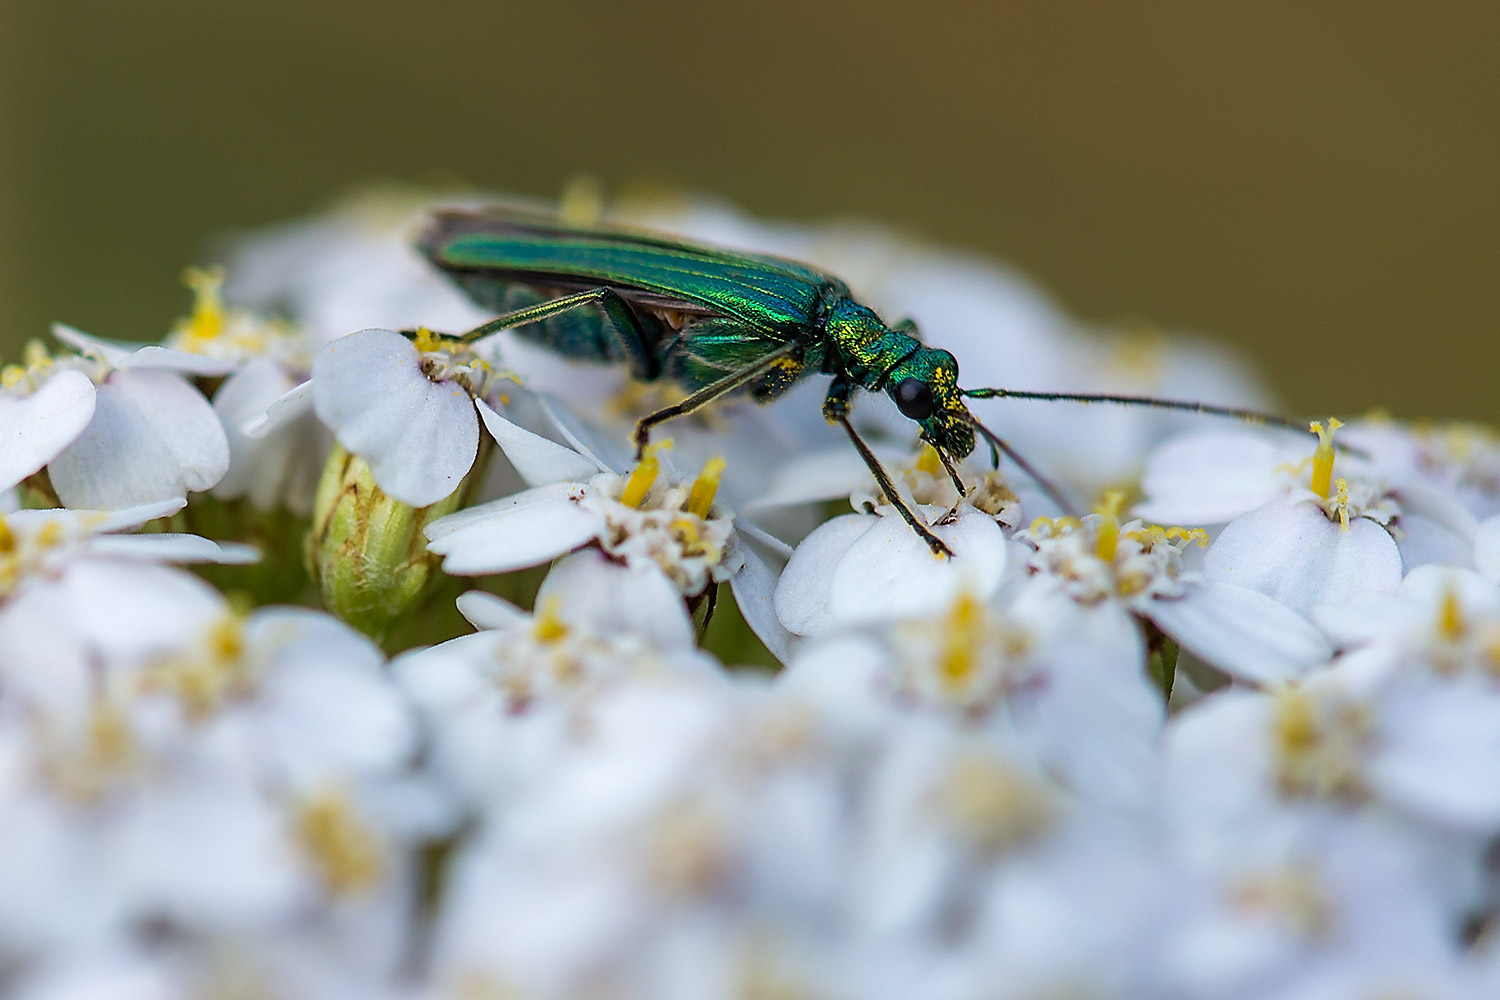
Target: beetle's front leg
<point x="836" y="411"/>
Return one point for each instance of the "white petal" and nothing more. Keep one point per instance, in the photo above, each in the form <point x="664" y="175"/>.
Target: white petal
<point x="77" y="523"/>
<point x="153" y="437"/>
<point x="1487" y="549"/>
<point x="294" y="403"/>
<point x="526" y="536"/>
<point x="175" y="548"/>
<point x="1210" y="478"/>
<point x="536" y="459"/>
<point x="610" y="598"/>
<point x="418" y="436"/>
<point x="1434" y="528"/>
<point x="35" y="428"/>
<point x="889" y="572"/>
<point x="754" y="588"/>
<point x="485" y="610"/>
<point x="801" y="598"/>
<point x="1292" y="552"/>
<point x="121" y="354"/>
<point x="550" y="493"/>
<point x="257" y="464"/>
<point x="825" y="474"/>
<point x="1442" y="754"/>
<point x="1241" y="632"/>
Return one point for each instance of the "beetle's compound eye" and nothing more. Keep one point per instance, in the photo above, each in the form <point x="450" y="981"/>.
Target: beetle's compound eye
<point x="913" y="398"/>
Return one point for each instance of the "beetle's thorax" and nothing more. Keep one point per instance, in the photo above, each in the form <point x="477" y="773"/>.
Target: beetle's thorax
<point x="861" y="346"/>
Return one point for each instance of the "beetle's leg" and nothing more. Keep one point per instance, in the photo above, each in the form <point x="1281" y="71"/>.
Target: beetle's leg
<point x="622" y="322"/>
<point x="908" y="326"/>
<point x="711" y="392"/>
<point x="836" y="411"/>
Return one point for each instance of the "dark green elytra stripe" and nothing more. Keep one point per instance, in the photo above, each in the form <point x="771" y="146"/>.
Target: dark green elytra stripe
<point x="767" y="292"/>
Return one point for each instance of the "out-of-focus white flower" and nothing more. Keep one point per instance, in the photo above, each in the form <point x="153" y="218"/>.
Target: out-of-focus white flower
<point x="233" y="778"/>
<point x="1067" y="680"/>
<point x="115" y="426"/>
<point x="74" y="596"/>
<point x="1139" y="567"/>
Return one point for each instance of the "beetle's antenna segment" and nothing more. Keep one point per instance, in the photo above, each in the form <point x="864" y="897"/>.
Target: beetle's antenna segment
<point x="1048" y="486"/>
<point x="1184" y="406"/>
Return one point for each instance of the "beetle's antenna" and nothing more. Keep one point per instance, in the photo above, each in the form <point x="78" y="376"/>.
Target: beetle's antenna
<point x="1233" y="412"/>
<point x="1048" y="486"/>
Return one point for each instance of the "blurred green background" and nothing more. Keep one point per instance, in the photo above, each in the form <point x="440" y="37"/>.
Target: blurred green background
<point x="1314" y="182"/>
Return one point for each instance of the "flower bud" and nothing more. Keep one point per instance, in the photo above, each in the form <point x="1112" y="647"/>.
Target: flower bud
<point x="366" y="550"/>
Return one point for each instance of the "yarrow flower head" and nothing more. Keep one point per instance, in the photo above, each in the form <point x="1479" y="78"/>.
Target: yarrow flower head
<point x="970" y="775"/>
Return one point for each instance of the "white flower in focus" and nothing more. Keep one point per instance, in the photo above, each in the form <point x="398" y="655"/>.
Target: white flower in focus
<point x="406" y="407"/>
<point x="827" y="474"/>
<point x="1097" y="560"/>
<point x="863" y="568"/>
<point x="646" y="519"/>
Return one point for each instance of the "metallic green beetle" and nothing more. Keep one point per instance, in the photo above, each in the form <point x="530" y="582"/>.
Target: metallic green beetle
<point x="716" y="322"/>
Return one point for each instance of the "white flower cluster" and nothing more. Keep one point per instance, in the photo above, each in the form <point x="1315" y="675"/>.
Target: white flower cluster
<point x="1238" y="738"/>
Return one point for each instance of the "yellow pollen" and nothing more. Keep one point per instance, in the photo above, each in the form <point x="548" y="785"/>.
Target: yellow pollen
<point x="701" y="499"/>
<point x="342" y="849"/>
<point x="1107" y="531"/>
<point x="11" y="376"/>
<point x="1197" y="536"/>
<point x="963" y="631"/>
<point x="1450" y="624"/>
<point x="929" y="461"/>
<point x="7" y="537"/>
<point x="1322" y="472"/>
<point x="548" y="625"/>
<point x="207" y="320"/>
<point x="426" y="341"/>
<point x="643" y="476"/>
<point x="686" y="532"/>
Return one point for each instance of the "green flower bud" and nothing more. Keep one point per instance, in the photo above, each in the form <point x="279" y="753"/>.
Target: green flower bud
<point x="366" y="550"/>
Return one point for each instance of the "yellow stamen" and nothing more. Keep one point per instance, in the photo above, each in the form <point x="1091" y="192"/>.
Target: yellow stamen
<point x="547" y="625"/>
<point x="207" y="283"/>
<point x="963" y="633"/>
<point x="582" y="202"/>
<point x="1107" y="529"/>
<point x="1341" y="502"/>
<point x="1322" y="473"/>
<point x="643" y="476"/>
<point x="342" y="848"/>
<point x="7" y="537"/>
<point x="929" y="461"/>
<point x="701" y="499"/>
<point x="1451" y="622"/>
<point x="36" y="355"/>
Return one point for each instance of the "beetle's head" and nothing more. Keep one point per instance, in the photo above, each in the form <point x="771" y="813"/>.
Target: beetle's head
<point x="924" y="387"/>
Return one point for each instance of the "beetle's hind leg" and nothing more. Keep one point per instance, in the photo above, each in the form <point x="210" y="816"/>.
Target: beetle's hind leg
<point x="729" y="383"/>
<point x="621" y="325"/>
